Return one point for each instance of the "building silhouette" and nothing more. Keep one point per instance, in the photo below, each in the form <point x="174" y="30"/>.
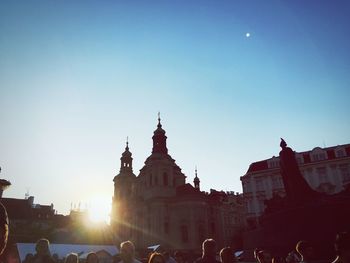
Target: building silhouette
<point x="158" y="207"/>
<point x="326" y="170"/>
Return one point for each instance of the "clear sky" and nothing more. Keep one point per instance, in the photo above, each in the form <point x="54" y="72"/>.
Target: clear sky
<point x="78" y="77"/>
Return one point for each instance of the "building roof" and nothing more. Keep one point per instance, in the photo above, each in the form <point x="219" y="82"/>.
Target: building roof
<point x="263" y="165"/>
<point x="17" y="208"/>
<point x="258" y="166"/>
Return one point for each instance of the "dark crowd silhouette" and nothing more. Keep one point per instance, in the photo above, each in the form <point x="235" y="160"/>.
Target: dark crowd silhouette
<point x="302" y="253"/>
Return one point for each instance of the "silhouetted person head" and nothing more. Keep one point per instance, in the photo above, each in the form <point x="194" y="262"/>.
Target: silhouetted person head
<point x="4" y="222"/>
<point x="42" y="247"/>
<point x="55" y="257"/>
<point x="342" y="247"/>
<point x="304" y="248"/>
<point x="263" y="256"/>
<point x="209" y="248"/>
<point x="227" y="255"/>
<point x="156" y="258"/>
<point x="72" y="258"/>
<point x="166" y="255"/>
<point x="127" y="251"/>
<point x="29" y="258"/>
<point x="255" y="253"/>
<point x="92" y="258"/>
<point x="277" y="259"/>
<point x="179" y="257"/>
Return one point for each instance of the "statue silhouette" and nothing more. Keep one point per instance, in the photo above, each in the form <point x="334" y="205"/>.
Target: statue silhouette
<point x="297" y="188"/>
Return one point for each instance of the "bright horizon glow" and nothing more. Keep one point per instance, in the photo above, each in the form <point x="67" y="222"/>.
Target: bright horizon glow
<point x="99" y="208"/>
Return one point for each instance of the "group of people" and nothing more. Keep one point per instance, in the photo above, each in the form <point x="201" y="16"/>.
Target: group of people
<point x="209" y="255"/>
<point x="43" y="255"/>
<point x="304" y="252"/>
<point x="127" y="255"/>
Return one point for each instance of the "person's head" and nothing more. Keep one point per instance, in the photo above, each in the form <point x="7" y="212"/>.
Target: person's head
<point x="263" y="256"/>
<point x="92" y="258"/>
<point x="42" y="247"/>
<point x="342" y="244"/>
<point x="256" y="251"/>
<point x="4" y="223"/>
<point x="227" y="255"/>
<point x="209" y="247"/>
<point x="278" y="259"/>
<point x="72" y="258"/>
<point x="179" y="257"/>
<point x="156" y="258"/>
<point x="305" y="250"/>
<point x="55" y="257"/>
<point x="29" y="258"/>
<point x="127" y="251"/>
<point x="166" y="255"/>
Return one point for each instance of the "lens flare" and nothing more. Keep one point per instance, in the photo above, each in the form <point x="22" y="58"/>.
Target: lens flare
<point x="99" y="208"/>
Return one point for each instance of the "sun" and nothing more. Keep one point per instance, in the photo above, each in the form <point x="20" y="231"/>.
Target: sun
<point x="99" y="208"/>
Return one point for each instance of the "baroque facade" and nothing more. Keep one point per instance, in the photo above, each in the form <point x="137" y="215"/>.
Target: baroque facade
<point x="159" y="207"/>
<point x="326" y="170"/>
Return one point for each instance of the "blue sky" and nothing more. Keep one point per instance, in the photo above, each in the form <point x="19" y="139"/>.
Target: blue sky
<point x="77" y="78"/>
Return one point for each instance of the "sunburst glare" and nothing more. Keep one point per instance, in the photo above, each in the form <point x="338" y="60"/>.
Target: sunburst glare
<point x="99" y="208"/>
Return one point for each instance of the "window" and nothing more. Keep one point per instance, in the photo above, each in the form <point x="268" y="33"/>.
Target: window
<point x="340" y="153"/>
<point x="201" y="233"/>
<point x="259" y="185"/>
<point x="276" y="182"/>
<point x="165" y="179"/>
<point x="184" y="233"/>
<point x="321" y="171"/>
<point x="344" y="170"/>
<point x="319" y="157"/>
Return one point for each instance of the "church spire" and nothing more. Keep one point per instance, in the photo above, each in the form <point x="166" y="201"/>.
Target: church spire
<point x="159" y="124"/>
<point x="126" y="159"/>
<point x="159" y="139"/>
<point x="196" y="180"/>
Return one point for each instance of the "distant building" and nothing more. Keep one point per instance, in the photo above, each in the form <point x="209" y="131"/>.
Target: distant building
<point x="28" y="219"/>
<point x="159" y="207"/>
<point x="326" y="170"/>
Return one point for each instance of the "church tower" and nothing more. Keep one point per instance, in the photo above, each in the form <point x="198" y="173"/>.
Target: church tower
<point x="124" y="190"/>
<point x="196" y="181"/>
<point x="160" y="176"/>
<point x="159" y="139"/>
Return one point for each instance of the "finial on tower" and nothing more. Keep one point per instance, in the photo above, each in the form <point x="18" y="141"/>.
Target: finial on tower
<point x="196" y="180"/>
<point x="127" y="143"/>
<point x="159" y="125"/>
